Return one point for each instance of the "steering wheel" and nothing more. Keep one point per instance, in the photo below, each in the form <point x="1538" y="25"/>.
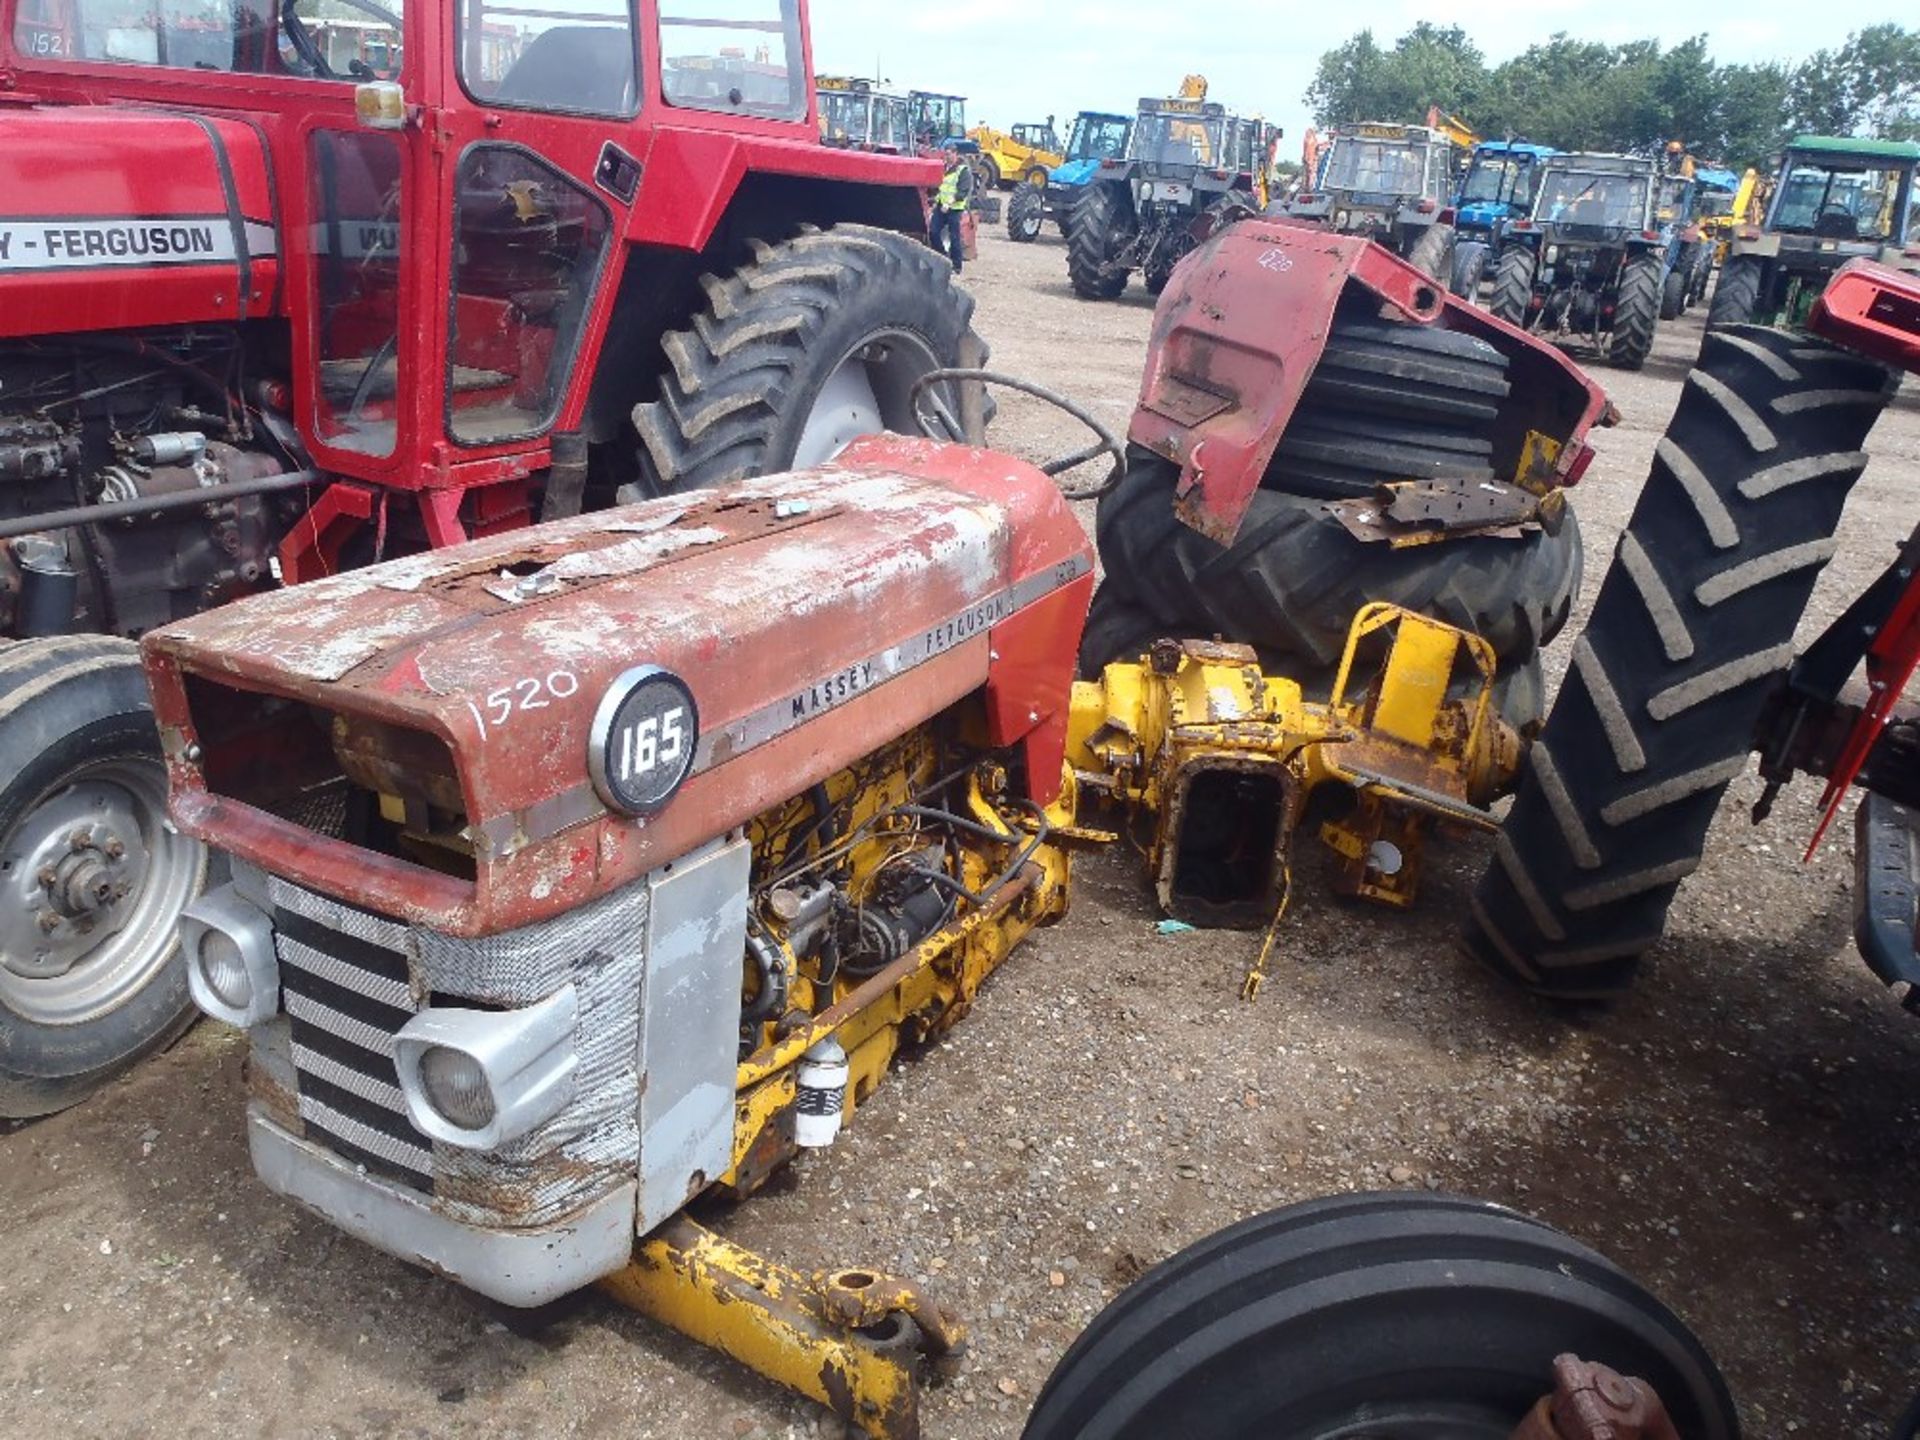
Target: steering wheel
<point x="938" y="422"/>
<point x="301" y="39"/>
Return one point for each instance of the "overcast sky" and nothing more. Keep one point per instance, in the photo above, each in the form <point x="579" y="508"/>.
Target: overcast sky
<point x="1024" y="61"/>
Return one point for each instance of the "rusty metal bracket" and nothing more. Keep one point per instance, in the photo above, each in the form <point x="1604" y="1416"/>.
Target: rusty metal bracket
<point x="1592" y="1402"/>
<point x="850" y="1339"/>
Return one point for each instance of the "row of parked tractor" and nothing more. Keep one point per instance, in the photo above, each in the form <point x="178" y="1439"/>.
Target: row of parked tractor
<point x="1600" y="248"/>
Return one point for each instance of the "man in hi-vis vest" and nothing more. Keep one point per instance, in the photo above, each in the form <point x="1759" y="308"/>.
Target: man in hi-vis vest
<point x="956" y="195"/>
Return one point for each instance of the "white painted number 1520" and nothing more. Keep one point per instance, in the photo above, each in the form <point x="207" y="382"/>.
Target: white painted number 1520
<point x="658" y="740"/>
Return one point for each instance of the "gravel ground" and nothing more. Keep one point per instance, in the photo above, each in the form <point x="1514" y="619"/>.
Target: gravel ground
<point x="1741" y="1133"/>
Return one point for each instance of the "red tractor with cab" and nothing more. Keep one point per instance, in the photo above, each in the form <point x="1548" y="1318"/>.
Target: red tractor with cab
<point x="282" y="293"/>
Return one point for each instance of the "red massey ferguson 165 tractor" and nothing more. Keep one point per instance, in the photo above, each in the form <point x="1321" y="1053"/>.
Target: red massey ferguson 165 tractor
<point x="286" y="287"/>
<point x="585" y="875"/>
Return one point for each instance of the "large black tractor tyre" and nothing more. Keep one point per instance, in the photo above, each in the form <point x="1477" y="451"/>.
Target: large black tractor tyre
<point x="1636" y="311"/>
<point x="91" y="975"/>
<point x="1513" y="285"/>
<point x="1391" y="402"/>
<point x="1026" y="213"/>
<point x="811" y="343"/>
<point x="1736" y="299"/>
<point x="1432" y="253"/>
<point x="1294" y="577"/>
<point x="1470" y="259"/>
<point x="1691" y="631"/>
<point x="1673" y="294"/>
<point x="1369" y="1315"/>
<point x="1098" y="231"/>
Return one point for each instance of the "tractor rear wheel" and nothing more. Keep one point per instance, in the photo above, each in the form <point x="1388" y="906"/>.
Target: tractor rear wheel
<point x="1294" y="577"/>
<point x="1513" y="285"/>
<point x="1689" y="634"/>
<point x="814" y="342"/>
<point x="1026" y="214"/>
<point x="1432" y="253"/>
<point x="92" y="876"/>
<point x="1097" y="233"/>
<point x="1398" y="1314"/>
<point x="1736" y="299"/>
<point x="1636" y="309"/>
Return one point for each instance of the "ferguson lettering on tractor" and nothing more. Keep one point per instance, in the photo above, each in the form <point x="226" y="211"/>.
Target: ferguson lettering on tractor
<point x="266" y="314"/>
<point x="588" y="870"/>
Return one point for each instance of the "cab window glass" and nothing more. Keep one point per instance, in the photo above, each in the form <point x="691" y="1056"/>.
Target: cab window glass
<point x="318" y="39"/>
<point x="575" y="56"/>
<point x="357" y="259"/>
<point x="737" y="56"/>
<point x="528" y="243"/>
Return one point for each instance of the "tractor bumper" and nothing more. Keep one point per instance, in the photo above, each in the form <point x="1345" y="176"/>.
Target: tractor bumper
<point x="522" y="1268"/>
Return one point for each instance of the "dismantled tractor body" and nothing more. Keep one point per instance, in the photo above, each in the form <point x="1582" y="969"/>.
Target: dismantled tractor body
<point x="281" y="295"/>
<point x="584" y="871"/>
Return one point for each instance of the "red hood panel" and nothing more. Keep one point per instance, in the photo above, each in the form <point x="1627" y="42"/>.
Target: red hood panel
<point x="813" y="616"/>
<point x="114" y="217"/>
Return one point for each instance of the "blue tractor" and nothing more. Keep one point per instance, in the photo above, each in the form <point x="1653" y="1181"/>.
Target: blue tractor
<point x="1498" y="187"/>
<point x="1096" y="137"/>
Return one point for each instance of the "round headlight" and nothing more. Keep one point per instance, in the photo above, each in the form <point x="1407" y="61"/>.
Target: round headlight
<point x="456" y="1086"/>
<point x="224" y="970"/>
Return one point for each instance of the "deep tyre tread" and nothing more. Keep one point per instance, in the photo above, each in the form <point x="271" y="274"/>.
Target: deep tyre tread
<point x="1091" y="235"/>
<point x="742" y="379"/>
<point x="1294" y="578"/>
<point x="1636" y="310"/>
<point x="1688" y="635"/>
<point x="1026" y="214"/>
<point x="1318" y="1319"/>
<point x="69" y="701"/>
<point x="1737" y="297"/>
<point x="1391" y="402"/>
<point x="1513" y="285"/>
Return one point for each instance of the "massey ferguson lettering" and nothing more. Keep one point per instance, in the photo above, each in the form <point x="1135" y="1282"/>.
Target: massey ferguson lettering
<point x="85" y="244"/>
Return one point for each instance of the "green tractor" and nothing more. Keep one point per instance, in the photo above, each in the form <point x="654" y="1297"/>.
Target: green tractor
<point x="1835" y="200"/>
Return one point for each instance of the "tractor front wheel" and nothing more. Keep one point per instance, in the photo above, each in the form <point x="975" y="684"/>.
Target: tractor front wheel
<point x="1469" y="268"/>
<point x="1736" y="299"/>
<point x="1432" y="253"/>
<point x="813" y="343"/>
<point x="1690" y="633"/>
<point x="92" y="876"/>
<point x="1370" y="1315"/>
<point x="1099" y="230"/>
<point x="1673" y="294"/>
<point x="1513" y="285"/>
<point x="1636" y="310"/>
<point x="1026" y="214"/>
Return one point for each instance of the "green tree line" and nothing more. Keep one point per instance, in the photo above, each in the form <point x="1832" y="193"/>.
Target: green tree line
<point x="1584" y="95"/>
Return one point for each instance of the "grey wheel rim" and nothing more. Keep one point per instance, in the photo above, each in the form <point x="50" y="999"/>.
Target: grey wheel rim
<point x="92" y="882"/>
<point x="869" y="391"/>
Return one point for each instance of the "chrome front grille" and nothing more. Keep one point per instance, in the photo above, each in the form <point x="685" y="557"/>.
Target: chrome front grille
<point x="344" y="984"/>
